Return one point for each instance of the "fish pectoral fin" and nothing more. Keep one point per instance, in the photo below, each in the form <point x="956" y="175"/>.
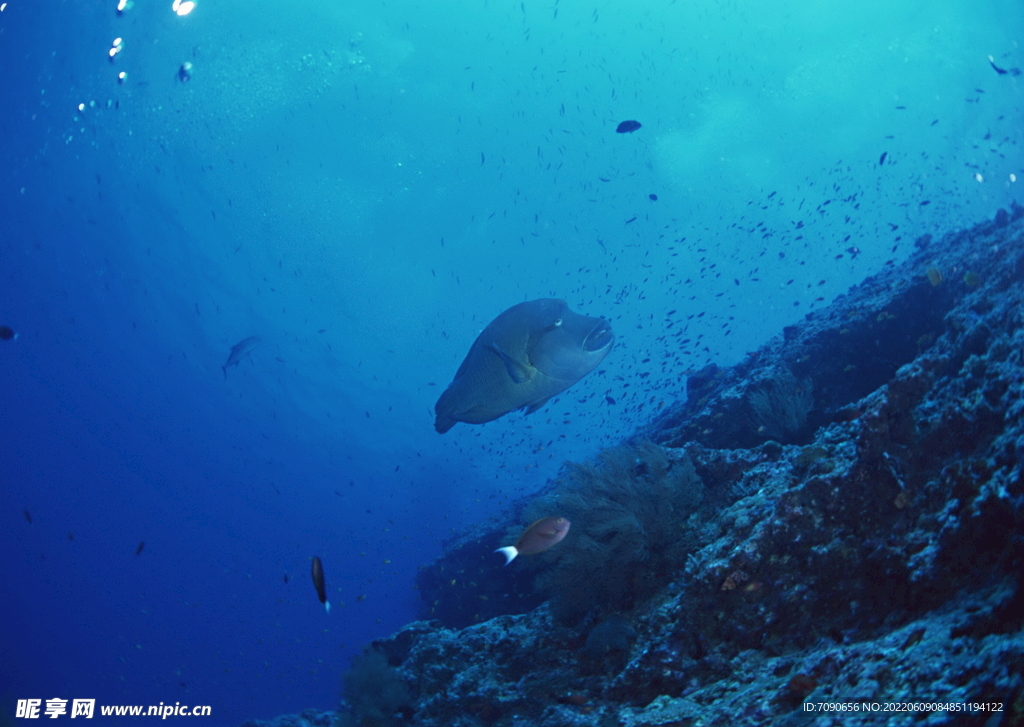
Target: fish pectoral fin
<point x="518" y="372"/>
<point x="536" y="405"/>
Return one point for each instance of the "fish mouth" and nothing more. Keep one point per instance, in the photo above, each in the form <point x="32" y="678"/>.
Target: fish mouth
<point x="600" y="338"/>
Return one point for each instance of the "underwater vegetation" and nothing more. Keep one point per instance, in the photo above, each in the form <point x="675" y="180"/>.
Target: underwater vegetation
<point x="376" y="694"/>
<point x="614" y="634"/>
<point x="780" y="405"/>
<point x="629" y="511"/>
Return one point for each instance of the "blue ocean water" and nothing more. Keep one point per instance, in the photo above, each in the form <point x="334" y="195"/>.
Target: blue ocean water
<point x="364" y="187"/>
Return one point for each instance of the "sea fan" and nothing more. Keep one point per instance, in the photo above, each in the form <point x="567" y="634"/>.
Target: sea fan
<point x="627" y="511"/>
<point x="779" y="406"/>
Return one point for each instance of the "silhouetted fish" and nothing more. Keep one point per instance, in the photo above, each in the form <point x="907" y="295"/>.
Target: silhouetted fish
<point x="627" y="127"/>
<point x="6" y="333"/>
<point x="318" y="581"/>
<point x="1002" y="71"/>
<point x="239" y="351"/>
<point x="141" y="545"/>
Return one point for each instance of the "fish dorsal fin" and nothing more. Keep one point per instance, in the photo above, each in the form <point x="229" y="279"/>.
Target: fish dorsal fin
<point x="516" y="371"/>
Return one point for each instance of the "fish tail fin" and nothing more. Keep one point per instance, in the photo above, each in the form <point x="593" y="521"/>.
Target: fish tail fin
<point x="327" y="606"/>
<point x="510" y="553"/>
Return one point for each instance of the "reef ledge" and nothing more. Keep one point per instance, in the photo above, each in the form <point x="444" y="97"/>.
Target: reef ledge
<point x="845" y="525"/>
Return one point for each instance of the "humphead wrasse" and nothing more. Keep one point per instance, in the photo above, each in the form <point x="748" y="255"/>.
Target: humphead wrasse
<point x="526" y="355"/>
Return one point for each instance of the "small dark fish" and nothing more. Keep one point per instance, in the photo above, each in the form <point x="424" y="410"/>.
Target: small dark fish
<point x="627" y="127"/>
<point x="1002" y="71"/>
<point x="285" y="577"/>
<point x="318" y="581"/>
<point x="610" y="400"/>
<point x="239" y="351"/>
<point x="881" y="159"/>
<point x="28" y="516"/>
<point x="7" y="333"/>
<point x="652" y="197"/>
<point x="141" y="545"/>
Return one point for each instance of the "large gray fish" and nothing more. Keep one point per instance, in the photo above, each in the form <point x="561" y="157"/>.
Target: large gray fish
<point x="525" y="356"/>
<point x="239" y="351"/>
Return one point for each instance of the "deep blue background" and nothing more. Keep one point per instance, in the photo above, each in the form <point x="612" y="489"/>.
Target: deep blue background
<point x="365" y="187"/>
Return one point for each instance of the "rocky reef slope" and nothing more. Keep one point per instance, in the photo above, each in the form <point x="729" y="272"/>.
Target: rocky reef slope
<point x="838" y="519"/>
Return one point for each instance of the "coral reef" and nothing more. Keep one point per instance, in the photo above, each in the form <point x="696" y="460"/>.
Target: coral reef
<point x="719" y="575"/>
<point x="308" y="718"/>
<point x="780" y="406"/>
<point x="628" y="512"/>
<point x="375" y="693"/>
